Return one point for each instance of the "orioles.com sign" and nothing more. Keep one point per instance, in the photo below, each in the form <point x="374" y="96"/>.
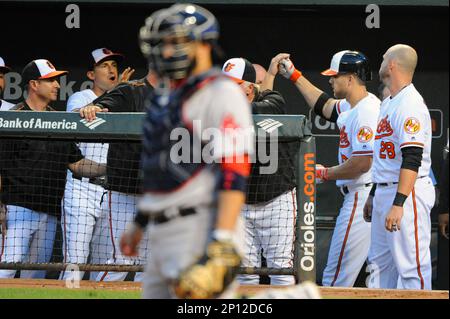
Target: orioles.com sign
<point x="307" y="261"/>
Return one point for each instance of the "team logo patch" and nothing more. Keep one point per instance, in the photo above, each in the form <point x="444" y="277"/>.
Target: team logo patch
<point x="412" y="125"/>
<point x="365" y="134"/>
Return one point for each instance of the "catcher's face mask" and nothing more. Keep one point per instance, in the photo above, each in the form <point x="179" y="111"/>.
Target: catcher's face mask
<point x="169" y="35"/>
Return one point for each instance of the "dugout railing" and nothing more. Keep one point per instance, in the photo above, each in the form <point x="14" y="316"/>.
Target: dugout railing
<point x="109" y="127"/>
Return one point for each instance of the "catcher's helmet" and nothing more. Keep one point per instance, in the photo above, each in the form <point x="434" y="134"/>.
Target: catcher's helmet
<point x="350" y="62"/>
<point x="178" y="25"/>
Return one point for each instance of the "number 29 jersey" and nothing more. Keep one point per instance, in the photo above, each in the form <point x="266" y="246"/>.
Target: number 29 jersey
<point x="404" y="121"/>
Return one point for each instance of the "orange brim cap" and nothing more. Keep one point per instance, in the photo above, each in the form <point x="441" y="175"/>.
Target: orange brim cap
<point x="53" y="74"/>
<point x="329" y="72"/>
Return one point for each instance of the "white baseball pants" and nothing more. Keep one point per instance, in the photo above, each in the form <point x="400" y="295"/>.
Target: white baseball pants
<point x="350" y="242"/>
<point x="85" y="225"/>
<point x="402" y="256"/>
<point x="270" y="227"/>
<point x="122" y="210"/>
<point x="30" y="237"/>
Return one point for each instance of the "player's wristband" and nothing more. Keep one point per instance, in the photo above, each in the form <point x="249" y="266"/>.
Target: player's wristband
<point x="399" y="199"/>
<point x="322" y="173"/>
<point x="295" y="75"/>
<point x="141" y="219"/>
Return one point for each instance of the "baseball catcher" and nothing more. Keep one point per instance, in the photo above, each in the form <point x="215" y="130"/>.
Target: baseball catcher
<point x="191" y="203"/>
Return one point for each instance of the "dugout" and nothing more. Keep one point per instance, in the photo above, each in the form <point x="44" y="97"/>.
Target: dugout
<point x="311" y="30"/>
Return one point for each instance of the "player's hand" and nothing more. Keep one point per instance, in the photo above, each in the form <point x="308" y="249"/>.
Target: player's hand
<point x="321" y="174"/>
<point x="126" y="75"/>
<point x="288" y="70"/>
<point x="394" y="218"/>
<point x="130" y="240"/>
<point x="368" y="206"/>
<point x="89" y="112"/>
<point x="3" y="218"/>
<point x="275" y="63"/>
<point x="443" y="225"/>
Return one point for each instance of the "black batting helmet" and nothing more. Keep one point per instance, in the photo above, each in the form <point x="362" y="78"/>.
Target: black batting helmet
<point x="350" y="62"/>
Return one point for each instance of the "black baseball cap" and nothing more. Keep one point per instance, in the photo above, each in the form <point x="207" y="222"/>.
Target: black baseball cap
<point x="40" y="69"/>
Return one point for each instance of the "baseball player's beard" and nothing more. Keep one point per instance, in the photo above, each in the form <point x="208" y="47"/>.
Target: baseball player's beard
<point x="1" y="93"/>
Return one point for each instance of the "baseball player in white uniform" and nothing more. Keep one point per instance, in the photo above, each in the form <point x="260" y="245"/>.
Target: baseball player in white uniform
<point x="401" y="228"/>
<point x="4" y="105"/>
<point x="355" y="111"/>
<point x="193" y="206"/>
<point x="84" y="221"/>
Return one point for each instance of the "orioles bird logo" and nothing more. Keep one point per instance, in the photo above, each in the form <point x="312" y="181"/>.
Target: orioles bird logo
<point x="365" y="134"/>
<point x="229" y="67"/>
<point x="412" y="125"/>
<point x="50" y="65"/>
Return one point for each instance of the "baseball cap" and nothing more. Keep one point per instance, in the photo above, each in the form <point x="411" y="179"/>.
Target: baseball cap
<point x="3" y="68"/>
<point x="104" y="54"/>
<point x="240" y="70"/>
<point x="40" y="69"/>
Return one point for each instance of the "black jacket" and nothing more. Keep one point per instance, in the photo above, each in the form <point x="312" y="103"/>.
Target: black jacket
<point x="263" y="188"/>
<point x="123" y="169"/>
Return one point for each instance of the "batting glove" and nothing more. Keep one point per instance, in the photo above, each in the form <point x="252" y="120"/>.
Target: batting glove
<point x="288" y="70"/>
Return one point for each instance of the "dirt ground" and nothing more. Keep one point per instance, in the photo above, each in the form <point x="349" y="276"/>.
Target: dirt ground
<point x="344" y="293"/>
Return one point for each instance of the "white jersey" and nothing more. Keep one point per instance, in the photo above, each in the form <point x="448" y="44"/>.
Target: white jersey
<point x="404" y="121"/>
<point x="217" y="105"/>
<point x="94" y="151"/>
<point x="357" y="128"/>
<point x="5" y="106"/>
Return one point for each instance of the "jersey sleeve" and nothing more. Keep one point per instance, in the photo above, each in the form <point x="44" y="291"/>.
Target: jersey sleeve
<point x="412" y="125"/>
<point x="116" y="100"/>
<point x="73" y="153"/>
<point x="76" y="101"/>
<point x="342" y="106"/>
<point x="231" y="116"/>
<point x="363" y="131"/>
